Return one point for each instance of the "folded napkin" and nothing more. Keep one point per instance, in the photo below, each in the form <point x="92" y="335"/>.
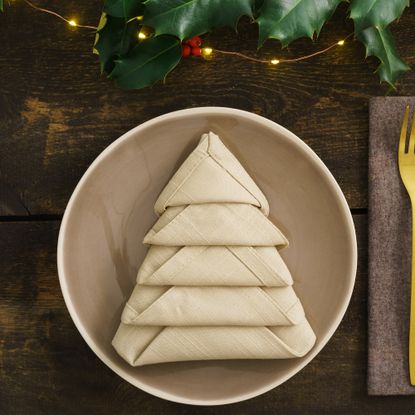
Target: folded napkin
<point x="213" y="284"/>
<point x="214" y="224"/>
<point x="390" y="253"/>
<point x="211" y="174"/>
<point x="147" y="345"/>
<point x="212" y="306"/>
<point x="214" y="265"/>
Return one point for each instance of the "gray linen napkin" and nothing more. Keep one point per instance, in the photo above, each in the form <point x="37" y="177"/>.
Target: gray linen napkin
<point x="389" y="253"/>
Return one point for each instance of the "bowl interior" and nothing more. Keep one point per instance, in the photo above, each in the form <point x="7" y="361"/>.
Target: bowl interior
<point x="100" y="247"/>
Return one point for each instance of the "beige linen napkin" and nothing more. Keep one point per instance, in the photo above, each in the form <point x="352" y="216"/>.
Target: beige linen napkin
<point x="217" y="306"/>
<point x="147" y="345"/>
<point x="211" y="174"/>
<point x="214" y="224"/>
<point x="213" y="284"/>
<point x="214" y="265"/>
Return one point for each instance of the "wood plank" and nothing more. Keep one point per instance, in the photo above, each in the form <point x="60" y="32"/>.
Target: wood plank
<point x="57" y="112"/>
<point x="46" y="368"/>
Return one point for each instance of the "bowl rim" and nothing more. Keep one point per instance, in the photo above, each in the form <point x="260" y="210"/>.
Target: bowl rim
<point x="345" y="213"/>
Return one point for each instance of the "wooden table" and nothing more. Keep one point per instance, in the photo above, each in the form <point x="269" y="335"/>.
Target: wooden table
<point x="57" y="114"/>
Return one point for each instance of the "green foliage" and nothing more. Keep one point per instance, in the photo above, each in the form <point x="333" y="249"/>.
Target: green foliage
<point x="370" y="21"/>
<point x="188" y="18"/>
<point x="257" y="5"/>
<point x="126" y="9"/>
<point x="377" y="13"/>
<point x="115" y="39"/>
<point x="148" y="62"/>
<point x="136" y="64"/>
<point x="101" y="24"/>
<point x="379" y="42"/>
<point x="291" y="19"/>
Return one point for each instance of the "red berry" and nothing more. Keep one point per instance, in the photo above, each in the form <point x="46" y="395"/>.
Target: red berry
<point x="186" y="50"/>
<point x="196" y="51"/>
<point x="195" y="42"/>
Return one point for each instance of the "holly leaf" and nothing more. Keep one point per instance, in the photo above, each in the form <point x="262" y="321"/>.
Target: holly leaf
<point x="115" y="39"/>
<point x="378" y="13"/>
<point x="101" y="24"/>
<point x="188" y="18"/>
<point x="289" y="20"/>
<point x="257" y="6"/>
<point x="379" y="43"/>
<point x="148" y="62"/>
<point x="126" y="9"/>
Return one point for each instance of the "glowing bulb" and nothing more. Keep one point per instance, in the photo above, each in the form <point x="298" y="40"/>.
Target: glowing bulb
<point x="340" y="42"/>
<point x="207" y="51"/>
<point x="275" y="61"/>
<point x="142" y="35"/>
<point x="72" y="23"/>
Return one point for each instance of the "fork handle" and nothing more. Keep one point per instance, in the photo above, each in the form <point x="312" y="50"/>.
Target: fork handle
<point x="412" y="315"/>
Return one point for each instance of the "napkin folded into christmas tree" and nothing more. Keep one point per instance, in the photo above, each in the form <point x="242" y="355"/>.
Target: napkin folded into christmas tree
<point x="213" y="284"/>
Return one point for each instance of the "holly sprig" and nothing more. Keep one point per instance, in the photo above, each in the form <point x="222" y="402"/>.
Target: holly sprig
<point x="140" y="41"/>
<point x="135" y="63"/>
<point x="371" y="21"/>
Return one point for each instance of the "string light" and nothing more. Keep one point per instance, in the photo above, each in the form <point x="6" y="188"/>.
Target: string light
<point x="341" y="42"/>
<point x="71" y="22"/>
<point x="207" y="51"/>
<point x="145" y="32"/>
<point x="275" y="61"/>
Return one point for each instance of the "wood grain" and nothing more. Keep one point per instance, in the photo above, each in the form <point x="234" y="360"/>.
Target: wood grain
<point x="47" y="368"/>
<point x="58" y="113"/>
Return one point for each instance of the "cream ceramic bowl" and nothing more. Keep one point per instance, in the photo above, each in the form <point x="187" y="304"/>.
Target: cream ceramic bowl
<point x="100" y="242"/>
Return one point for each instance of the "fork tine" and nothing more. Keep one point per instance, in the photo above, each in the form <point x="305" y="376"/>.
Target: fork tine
<point x="404" y="129"/>
<point x="412" y="137"/>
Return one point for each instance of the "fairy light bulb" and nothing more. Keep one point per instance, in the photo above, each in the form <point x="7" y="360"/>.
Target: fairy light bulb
<point x="340" y="42"/>
<point x="72" y="23"/>
<point x="275" y="61"/>
<point x="207" y="51"/>
<point x="142" y="35"/>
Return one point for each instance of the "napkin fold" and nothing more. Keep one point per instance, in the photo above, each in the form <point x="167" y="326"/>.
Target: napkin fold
<point x="211" y="174"/>
<point x="390" y="253"/>
<point x="213" y="284"/>
<point x="214" y="265"/>
<point x="148" y="345"/>
<point x="214" y="224"/>
<point x="212" y="306"/>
